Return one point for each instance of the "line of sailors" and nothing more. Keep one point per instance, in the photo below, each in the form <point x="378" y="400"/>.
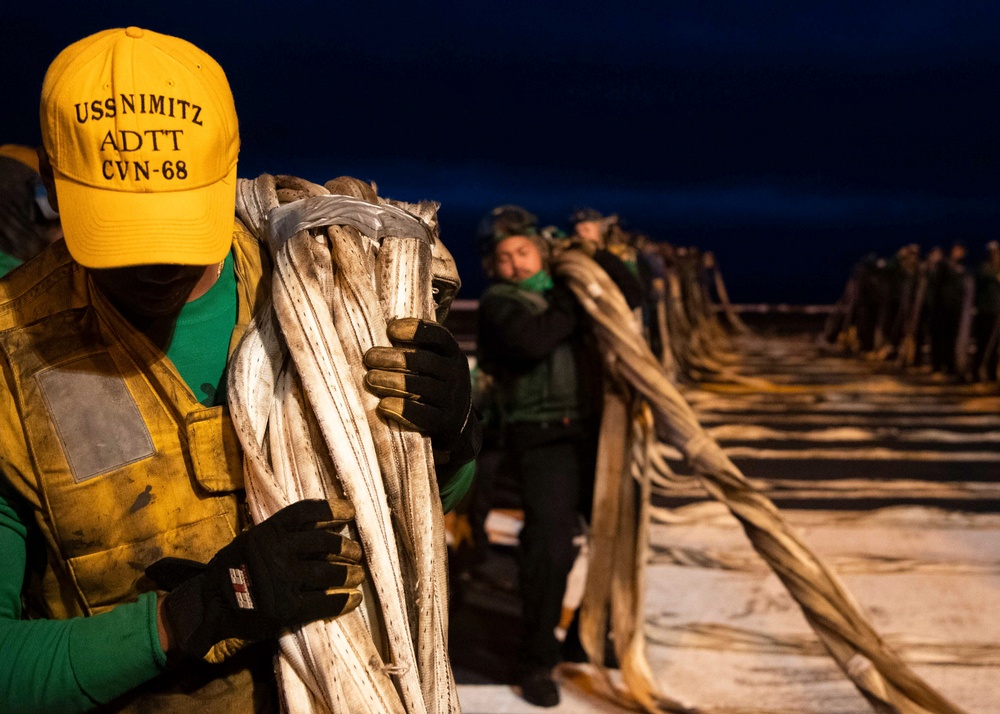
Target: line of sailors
<point x="539" y="389"/>
<point x="933" y="312"/>
<point x="683" y="295"/>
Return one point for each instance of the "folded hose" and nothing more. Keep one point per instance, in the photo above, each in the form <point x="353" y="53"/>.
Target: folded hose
<point x="344" y="266"/>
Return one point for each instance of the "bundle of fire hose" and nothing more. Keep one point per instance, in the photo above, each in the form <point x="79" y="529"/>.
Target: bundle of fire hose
<point x="694" y="343"/>
<point x="727" y="306"/>
<point x="642" y="407"/>
<point x="700" y="348"/>
<point x="343" y="268"/>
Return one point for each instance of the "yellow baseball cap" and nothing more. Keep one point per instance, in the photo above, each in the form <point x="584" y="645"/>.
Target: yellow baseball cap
<point x="22" y="154"/>
<point x="141" y="132"/>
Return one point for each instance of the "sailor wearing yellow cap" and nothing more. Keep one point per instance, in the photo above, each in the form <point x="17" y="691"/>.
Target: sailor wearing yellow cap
<point x="117" y="455"/>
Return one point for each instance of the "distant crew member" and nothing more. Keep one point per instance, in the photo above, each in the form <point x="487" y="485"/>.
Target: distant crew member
<point x="27" y="221"/>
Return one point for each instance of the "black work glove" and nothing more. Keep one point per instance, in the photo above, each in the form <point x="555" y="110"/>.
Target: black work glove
<point x="289" y="570"/>
<point x="423" y="382"/>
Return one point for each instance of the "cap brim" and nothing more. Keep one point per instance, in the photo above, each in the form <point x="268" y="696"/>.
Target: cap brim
<point x="114" y="229"/>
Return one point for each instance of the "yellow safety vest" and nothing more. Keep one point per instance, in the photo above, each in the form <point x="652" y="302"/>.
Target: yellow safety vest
<point x="99" y="433"/>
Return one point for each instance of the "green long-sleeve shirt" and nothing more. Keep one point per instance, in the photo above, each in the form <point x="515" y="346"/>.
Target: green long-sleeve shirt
<point x="67" y="665"/>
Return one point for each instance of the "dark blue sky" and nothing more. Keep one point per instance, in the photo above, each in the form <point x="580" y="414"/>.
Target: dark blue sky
<point x="790" y="138"/>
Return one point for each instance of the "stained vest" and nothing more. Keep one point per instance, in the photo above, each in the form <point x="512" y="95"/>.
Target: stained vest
<point x="120" y="463"/>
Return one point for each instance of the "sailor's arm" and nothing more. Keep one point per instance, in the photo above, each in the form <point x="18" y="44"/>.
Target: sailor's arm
<point x="519" y="333"/>
<point x="66" y="665"/>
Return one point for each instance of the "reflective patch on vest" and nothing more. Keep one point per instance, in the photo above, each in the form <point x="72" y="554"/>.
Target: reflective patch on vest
<point x="96" y="418"/>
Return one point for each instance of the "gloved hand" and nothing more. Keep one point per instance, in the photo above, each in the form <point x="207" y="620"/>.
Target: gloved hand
<point x="289" y="570"/>
<point x="424" y="384"/>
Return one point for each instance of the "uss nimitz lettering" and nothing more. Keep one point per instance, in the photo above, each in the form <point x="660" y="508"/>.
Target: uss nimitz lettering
<point x="132" y="103"/>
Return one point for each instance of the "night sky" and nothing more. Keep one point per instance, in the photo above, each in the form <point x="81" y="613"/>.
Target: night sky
<point x="789" y="138"/>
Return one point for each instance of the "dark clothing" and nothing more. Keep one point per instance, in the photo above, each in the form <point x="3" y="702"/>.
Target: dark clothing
<point x="23" y="230"/>
<point x="899" y="294"/>
<point x="872" y="295"/>
<point x="631" y="284"/>
<point x="986" y="333"/>
<point x="531" y="345"/>
<point x="988" y="288"/>
<point x="541" y="355"/>
<point x="946" y="294"/>
<point x="555" y="465"/>
<point x="987" y="320"/>
<point x="547" y="385"/>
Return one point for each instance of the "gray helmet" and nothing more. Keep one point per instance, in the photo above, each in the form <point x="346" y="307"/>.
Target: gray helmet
<point x="503" y="222"/>
<point x="584" y="214"/>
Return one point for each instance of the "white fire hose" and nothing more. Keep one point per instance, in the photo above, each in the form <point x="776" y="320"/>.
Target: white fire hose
<point x="343" y="268"/>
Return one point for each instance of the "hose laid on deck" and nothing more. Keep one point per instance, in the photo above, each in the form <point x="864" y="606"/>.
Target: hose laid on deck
<point x="641" y="402"/>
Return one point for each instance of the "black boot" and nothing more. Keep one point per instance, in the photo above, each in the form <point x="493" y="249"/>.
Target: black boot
<point x="538" y="688"/>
